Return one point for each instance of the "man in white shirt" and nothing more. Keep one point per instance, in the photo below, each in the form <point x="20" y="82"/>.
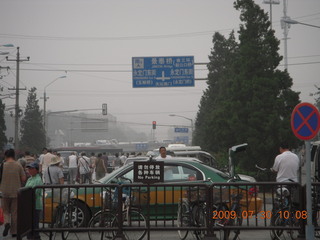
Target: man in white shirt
<point x="45" y="162"/>
<point x="84" y="165"/>
<point x="286" y="165"/>
<point x="163" y="154"/>
<point x="44" y="152"/>
<point x="73" y="168"/>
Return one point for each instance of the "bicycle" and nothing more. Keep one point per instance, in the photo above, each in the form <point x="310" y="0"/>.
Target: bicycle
<point x="284" y="212"/>
<point x="316" y="210"/>
<point x="191" y="214"/>
<point x="232" y="217"/>
<point x="64" y="213"/>
<point x="107" y="218"/>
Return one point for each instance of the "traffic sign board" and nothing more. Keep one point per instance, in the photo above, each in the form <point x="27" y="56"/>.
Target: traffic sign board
<point x="181" y="130"/>
<point x="305" y="121"/>
<point x="141" y="146"/>
<point x="181" y="139"/>
<point x="163" y="71"/>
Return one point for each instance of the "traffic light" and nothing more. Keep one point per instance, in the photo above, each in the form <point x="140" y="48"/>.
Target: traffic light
<point x="104" y="109"/>
<point x="154" y="124"/>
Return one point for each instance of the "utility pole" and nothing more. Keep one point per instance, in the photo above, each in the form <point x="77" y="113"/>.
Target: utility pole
<point x="17" y="108"/>
<point x="285" y="26"/>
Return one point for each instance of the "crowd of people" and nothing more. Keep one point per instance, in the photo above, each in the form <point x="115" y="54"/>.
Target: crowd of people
<point x="31" y="170"/>
<point x="46" y="169"/>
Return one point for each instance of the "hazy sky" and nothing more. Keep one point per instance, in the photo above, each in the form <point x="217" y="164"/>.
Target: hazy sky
<point x="94" y="41"/>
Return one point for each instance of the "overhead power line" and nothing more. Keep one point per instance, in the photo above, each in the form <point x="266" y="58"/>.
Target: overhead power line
<point x="122" y="71"/>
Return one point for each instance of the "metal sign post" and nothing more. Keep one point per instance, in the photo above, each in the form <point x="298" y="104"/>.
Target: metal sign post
<point x="305" y="124"/>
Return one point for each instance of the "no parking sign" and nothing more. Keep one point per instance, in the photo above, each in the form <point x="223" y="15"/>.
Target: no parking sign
<point x="305" y="124"/>
<point x="305" y="121"/>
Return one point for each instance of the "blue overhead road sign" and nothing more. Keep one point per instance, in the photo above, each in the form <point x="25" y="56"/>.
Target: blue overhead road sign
<point x="181" y="130"/>
<point x="163" y="71"/>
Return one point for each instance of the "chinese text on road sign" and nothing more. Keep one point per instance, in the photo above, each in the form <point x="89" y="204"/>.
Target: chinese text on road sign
<point x="163" y="71"/>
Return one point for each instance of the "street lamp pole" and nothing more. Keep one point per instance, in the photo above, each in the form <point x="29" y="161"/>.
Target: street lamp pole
<point x="45" y="105"/>
<point x="191" y="120"/>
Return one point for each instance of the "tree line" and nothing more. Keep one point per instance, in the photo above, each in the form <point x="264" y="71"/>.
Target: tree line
<point x="248" y="99"/>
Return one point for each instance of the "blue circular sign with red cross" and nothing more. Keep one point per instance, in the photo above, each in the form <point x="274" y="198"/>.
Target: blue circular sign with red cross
<point x="305" y="121"/>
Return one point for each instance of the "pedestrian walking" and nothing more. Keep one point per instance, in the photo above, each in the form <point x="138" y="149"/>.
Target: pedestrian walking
<point x="12" y="177"/>
<point x="93" y="165"/>
<point x="54" y="173"/>
<point x="33" y="181"/>
<point x="28" y="157"/>
<point x="73" y="168"/>
<point x="100" y="167"/>
<point x="45" y="162"/>
<point x="84" y="168"/>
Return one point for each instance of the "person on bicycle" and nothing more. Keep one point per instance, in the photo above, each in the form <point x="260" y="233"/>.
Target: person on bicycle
<point x="286" y="165"/>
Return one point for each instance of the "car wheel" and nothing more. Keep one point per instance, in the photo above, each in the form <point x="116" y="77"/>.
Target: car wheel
<point x="78" y="214"/>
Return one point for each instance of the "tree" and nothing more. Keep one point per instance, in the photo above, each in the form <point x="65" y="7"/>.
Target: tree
<point x="32" y="130"/>
<point x="3" y="128"/>
<point x="317" y="97"/>
<point x="248" y="99"/>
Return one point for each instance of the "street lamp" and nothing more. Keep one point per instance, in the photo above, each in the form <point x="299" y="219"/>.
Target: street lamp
<point x="45" y="103"/>
<point x="291" y="21"/>
<point x="271" y="2"/>
<point x="191" y="120"/>
<point x="7" y="45"/>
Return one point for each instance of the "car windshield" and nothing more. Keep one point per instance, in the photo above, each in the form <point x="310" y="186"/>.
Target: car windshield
<point x="110" y="175"/>
<point x="219" y="173"/>
<point x="130" y="160"/>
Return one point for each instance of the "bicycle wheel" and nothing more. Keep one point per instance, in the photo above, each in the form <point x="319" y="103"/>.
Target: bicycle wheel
<point x="183" y="219"/>
<point x="280" y="234"/>
<point x="66" y="222"/>
<point x="199" y="214"/>
<point x="102" y="219"/>
<point x="134" y="220"/>
<point x="316" y="222"/>
<point x="294" y="222"/>
<point x="57" y="221"/>
<point x="221" y="222"/>
<point x="233" y="234"/>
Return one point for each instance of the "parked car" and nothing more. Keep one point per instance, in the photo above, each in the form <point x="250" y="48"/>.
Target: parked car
<point x="163" y="200"/>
